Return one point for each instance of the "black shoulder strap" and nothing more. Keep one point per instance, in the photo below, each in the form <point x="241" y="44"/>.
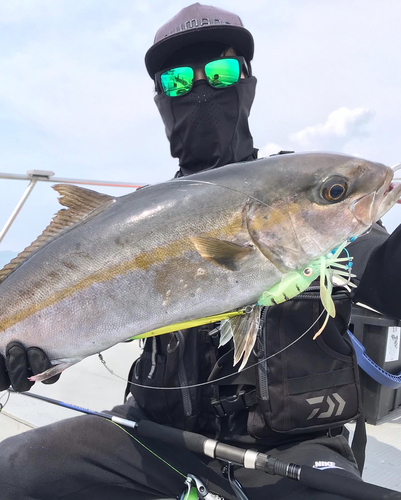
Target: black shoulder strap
<point x="359" y="442"/>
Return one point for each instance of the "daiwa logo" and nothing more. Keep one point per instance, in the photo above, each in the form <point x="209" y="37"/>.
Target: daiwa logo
<point x="329" y="410"/>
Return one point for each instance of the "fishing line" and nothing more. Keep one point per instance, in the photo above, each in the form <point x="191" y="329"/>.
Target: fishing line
<point x="230" y="189"/>
<point x="253" y="198"/>
<point x="148" y="449"/>
<point x="118" y="421"/>
<point x="217" y="379"/>
<point x="2" y="405"/>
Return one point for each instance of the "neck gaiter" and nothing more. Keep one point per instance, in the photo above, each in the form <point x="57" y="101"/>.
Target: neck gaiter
<point x="208" y="127"/>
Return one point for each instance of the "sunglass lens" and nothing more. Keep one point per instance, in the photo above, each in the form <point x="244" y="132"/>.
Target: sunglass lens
<point x="177" y="81"/>
<point x="223" y="72"/>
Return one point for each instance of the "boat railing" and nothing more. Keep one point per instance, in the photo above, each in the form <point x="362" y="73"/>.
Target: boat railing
<point x="35" y="176"/>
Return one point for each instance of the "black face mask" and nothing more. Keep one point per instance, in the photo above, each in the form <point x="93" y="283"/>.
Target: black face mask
<point x="208" y="127"/>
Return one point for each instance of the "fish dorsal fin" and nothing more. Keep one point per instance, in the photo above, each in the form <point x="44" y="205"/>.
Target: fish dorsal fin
<point x="80" y="202"/>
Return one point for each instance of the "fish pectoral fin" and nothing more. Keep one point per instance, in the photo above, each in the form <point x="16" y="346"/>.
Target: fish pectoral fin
<point x="220" y="252"/>
<point x="50" y="372"/>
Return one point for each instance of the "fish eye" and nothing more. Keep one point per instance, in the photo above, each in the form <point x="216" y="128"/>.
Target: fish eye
<point x="334" y="189"/>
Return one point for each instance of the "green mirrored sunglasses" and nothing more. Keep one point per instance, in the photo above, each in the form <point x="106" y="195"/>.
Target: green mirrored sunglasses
<point x="220" y="73"/>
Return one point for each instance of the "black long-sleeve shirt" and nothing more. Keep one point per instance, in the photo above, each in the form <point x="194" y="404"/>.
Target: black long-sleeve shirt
<point x="379" y="255"/>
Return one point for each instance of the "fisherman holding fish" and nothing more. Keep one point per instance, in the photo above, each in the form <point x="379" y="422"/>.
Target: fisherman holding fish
<point x="293" y="402"/>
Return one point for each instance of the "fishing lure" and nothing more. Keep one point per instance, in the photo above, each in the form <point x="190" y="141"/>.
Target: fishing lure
<point x="243" y="329"/>
<point x="328" y="267"/>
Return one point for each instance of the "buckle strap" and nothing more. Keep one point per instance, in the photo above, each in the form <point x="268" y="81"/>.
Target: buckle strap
<point x="230" y="404"/>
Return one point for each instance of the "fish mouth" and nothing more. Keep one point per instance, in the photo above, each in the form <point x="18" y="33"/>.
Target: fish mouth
<point x="393" y="185"/>
<point x="371" y="207"/>
<point x="390" y="196"/>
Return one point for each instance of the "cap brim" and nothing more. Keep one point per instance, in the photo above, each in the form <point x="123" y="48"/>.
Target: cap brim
<point x="234" y="36"/>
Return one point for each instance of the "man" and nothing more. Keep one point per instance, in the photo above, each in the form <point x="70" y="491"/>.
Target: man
<point x="201" y="65"/>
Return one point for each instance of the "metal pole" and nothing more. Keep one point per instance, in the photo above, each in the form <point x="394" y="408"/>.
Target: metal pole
<point x="47" y="176"/>
<point x="17" y="209"/>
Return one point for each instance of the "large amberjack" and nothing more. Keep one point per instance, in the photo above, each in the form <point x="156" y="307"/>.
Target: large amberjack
<point x="110" y="268"/>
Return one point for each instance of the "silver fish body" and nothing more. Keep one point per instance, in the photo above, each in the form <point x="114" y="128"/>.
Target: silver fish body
<point x="184" y="249"/>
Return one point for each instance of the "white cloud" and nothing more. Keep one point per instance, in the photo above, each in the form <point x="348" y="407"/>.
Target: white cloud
<point x="341" y="126"/>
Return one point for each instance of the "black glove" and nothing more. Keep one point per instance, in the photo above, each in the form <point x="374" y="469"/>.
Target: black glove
<point x="21" y="363"/>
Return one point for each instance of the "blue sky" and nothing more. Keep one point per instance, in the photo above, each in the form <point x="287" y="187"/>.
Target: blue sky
<point x="75" y="97"/>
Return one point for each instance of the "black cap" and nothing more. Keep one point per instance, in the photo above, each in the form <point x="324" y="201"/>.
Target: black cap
<point x="198" y="23"/>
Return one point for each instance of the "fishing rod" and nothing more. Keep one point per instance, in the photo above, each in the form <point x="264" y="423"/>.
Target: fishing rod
<point x="113" y="418"/>
<point x="322" y="480"/>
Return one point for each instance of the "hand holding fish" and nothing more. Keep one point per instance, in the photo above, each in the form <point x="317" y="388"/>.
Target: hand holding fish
<point x="19" y="364"/>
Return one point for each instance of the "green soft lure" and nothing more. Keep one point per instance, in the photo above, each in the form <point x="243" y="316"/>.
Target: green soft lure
<point x="293" y="283"/>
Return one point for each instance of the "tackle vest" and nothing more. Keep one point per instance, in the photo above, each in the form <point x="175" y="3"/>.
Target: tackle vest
<point x="292" y="387"/>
